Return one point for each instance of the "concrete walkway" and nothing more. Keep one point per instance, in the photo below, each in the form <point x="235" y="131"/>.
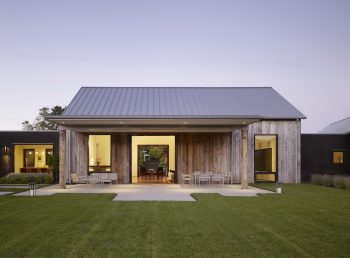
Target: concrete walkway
<point x="149" y="192"/>
<point x="5" y="193"/>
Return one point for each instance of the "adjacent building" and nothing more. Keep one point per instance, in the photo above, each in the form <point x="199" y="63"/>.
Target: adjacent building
<point x="326" y="152"/>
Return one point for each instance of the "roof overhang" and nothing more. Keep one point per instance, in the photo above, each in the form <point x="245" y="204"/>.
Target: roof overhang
<point x="153" y="121"/>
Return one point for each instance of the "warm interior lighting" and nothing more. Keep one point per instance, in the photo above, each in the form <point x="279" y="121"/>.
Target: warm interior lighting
<point x="5" y="150"/>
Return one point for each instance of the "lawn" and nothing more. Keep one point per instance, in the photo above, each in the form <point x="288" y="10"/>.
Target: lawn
<point x="304" y="221"/>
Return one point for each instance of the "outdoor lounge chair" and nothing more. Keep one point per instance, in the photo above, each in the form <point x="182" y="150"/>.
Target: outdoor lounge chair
<point x="105" y="178"/>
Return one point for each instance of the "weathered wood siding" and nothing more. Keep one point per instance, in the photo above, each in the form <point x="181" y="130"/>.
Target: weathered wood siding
<point x="205" y="152"/>
<point x="79" y="153"/>
<point x="121" y="152"/>
<point x="62" y="158"/>
<point x="288" y="142"/>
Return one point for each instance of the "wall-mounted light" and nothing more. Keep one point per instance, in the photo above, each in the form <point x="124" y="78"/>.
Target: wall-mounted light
<point x="6" y="150"/>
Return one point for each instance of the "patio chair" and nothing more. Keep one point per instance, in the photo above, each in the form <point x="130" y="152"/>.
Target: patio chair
<point x="217" y="179"/>
<point x="94" y="178"/>
<point x="113" y="177"/>
<point x="105" y="178"/>
<point x="204" y="178"/>
<point x="74" y="178"/>
<point x="186" y="179"/>
<point x="227" y="178"/>
<point x="195" y="177"/>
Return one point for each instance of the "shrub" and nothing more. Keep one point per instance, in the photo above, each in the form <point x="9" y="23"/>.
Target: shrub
<point x="339" y="181"/>
<point x="316" y="179"/>
<point x="38" y="178"/>
<point x="327" y="180"/>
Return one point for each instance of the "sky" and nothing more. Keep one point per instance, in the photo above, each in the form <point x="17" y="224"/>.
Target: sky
<point x="49" y="49"/>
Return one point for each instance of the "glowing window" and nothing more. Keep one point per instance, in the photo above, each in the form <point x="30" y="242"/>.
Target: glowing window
<point x="99" y="153"/>
<point x="338" y="157"/>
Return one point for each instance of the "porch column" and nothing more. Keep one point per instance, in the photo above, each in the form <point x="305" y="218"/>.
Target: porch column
<point x="244" y="161"/>
<point x="63" y="158"/>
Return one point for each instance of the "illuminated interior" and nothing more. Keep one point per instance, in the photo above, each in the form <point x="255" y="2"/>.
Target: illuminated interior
<point x="99" y="153"/>
<point x="32" y="158"/>
<point x="142" y="144"/>
<point x="265" y="158"/>
<point x="338" y="157"/>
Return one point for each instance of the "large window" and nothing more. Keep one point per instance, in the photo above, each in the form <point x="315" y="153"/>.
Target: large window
<point x="99" y="153"/>
<point x="265" y="158"/>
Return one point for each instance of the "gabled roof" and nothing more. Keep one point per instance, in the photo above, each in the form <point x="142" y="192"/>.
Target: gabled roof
<point x="180" y="102"/>
<point x="339" y="127"/>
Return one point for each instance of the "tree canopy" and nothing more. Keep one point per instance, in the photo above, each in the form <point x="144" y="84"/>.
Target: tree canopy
<point x="40" y="123"/>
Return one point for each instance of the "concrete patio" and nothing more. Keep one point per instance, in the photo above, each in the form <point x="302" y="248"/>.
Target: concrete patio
<point x="149" y="192"/>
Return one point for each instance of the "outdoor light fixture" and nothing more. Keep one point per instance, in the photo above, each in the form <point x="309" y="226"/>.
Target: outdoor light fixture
<point x="6" y="149"/>
<point x="278" y="187"/>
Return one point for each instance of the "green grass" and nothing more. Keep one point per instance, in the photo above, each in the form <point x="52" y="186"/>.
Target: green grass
<point x="304" y="221"/>
<point x="13" y="190"/>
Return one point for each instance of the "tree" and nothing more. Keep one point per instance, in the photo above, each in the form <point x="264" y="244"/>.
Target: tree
<point x="40" y="123"/>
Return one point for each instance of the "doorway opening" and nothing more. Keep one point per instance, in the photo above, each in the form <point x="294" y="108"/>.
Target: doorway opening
<point x="153" y="159"/>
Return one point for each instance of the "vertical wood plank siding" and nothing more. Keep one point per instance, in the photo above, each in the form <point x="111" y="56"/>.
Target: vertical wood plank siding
<point x="120" y="149"/>
<point x="288" y="137"/>
<point x="205" y="152"/>
<point x="62" y="157"/>
<point x="79" y="157"/>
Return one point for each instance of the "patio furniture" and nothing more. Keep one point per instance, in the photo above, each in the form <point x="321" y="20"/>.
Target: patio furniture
<point x="217" y="179"/>
<point x="94" y="178"/>
<point x="113" y="177"/>
<point x="195" y="177"/>
<point x="204" y="178"/>
<point x="83" y="179"/>
<point x="186" y="179"/>
<point x="74" y="178"/>
<point x="105" y="178"/>
<point x="227" y="178"/>
<point x="77" y="179"/>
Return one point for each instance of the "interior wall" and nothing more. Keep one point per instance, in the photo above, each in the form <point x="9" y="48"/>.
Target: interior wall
<point x="152" y="140"/>
<point x="40" y="151"/>
<point x="100" y="150"/>
<point x="264" y="142"/>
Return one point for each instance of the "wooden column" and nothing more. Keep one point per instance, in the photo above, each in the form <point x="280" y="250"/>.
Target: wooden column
<point x="63" y="158"/>
<point x="244" y="161"/>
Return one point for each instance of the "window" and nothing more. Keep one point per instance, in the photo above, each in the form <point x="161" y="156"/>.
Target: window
<point x="99" y="153"/>
<point x="48" y="154"/>
<point x="338" y="157"/>
<point x="265" y="158"/>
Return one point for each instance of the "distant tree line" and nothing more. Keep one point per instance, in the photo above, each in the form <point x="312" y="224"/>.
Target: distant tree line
<point x="40" y="123"/>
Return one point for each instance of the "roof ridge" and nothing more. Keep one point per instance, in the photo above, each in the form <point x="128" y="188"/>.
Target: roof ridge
<point x="338" y="121"/>
<point x="187" y="87"/>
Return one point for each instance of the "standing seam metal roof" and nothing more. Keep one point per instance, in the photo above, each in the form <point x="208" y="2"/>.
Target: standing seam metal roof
<point x="339" y="127"/>
<point x="170" y="102"/>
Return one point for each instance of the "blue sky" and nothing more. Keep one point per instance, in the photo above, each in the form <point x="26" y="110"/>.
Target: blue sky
<point x="48" y="49"/>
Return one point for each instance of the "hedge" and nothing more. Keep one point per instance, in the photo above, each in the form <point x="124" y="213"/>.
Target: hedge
<point x="328" y="180"/>
<point x="21" y="178"/>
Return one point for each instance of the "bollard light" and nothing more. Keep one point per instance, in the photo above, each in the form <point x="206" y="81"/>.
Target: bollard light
<point x="32" y="189"/>
<point x="278" y="187"/>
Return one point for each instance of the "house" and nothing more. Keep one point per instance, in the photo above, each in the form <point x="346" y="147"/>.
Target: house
<point x="253" y="134"/>
<point x="26" y="151"/>
<point x="326" y="152"/>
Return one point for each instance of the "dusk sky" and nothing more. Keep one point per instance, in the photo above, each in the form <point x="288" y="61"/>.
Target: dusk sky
<point x="49" y="49"/>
